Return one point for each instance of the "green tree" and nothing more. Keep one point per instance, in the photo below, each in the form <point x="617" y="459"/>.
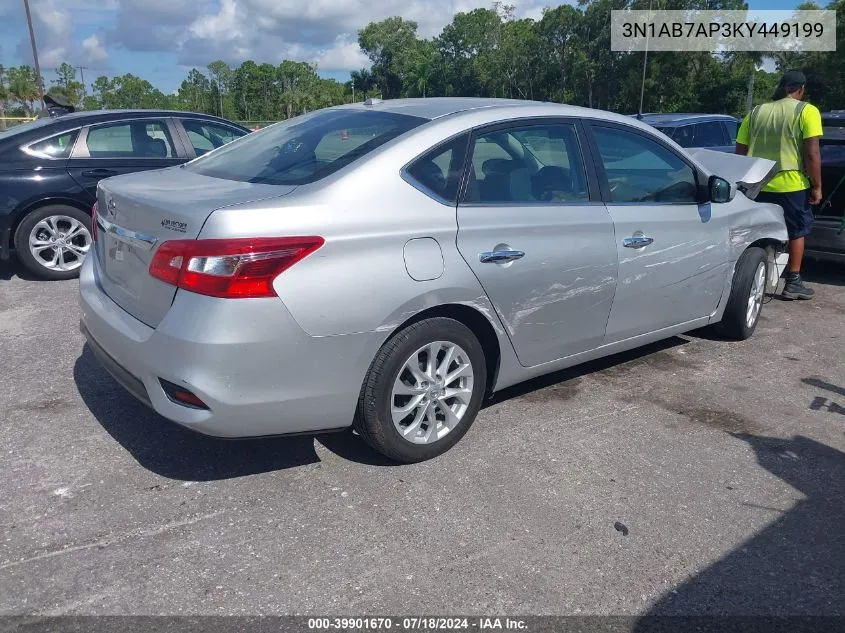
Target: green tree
<point x="467" y="47"/>
<point x="67" y="85"/>
<point x="127" y="91"/>
<point x="90" y="102"/>
<point x="559" y="41"/>
<point x="297" y="82"/>
<point x="23" y="87"/>
<point x="388" y="44"/>
<point x="423" y="65"/>
<point x="221" y="77"/>
<point x="362" y="82"/>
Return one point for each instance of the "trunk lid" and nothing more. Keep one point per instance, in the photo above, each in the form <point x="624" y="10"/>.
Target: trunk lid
<point x="750" y="174"/>
<point x="138" y="212"/>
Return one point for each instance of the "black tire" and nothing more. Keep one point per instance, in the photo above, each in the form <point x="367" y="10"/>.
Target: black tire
<point x="32" y="263"/>
<point x="373" y="419"/>
<point x="734" y="323"/>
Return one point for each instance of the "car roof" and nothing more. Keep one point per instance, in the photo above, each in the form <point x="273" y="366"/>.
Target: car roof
<point x="83" y="115"/>
<point x="433" y="108"/>
<point x="681" y="118"/>
<point x="436" y="107"/>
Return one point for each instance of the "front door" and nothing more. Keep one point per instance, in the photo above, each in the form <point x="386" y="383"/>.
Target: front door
<point x="673" y="254"/>
<point x="541" y="247"/>
<point x="122" y="147"/>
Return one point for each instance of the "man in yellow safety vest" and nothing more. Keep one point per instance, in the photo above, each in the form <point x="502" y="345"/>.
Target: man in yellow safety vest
<point x="787" y="131"/>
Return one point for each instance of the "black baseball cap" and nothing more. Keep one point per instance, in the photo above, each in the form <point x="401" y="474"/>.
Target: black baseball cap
<point x="793" y="78"/>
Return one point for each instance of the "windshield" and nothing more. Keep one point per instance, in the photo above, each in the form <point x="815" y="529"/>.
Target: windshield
<point x="304" y="149"/>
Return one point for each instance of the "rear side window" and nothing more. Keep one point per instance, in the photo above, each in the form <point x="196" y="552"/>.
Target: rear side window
<point x="135" y="139"/>
<point x="439" y="171"/>
<point x="306" y="148"/>
<point x="58" y="146"/>
<point x="541" y="164"/>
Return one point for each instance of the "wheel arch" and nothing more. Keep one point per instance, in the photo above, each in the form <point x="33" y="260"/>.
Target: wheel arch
<point x="773" y="249"/>
<point x="477" y="323"/>
<point x="40" y="203"/>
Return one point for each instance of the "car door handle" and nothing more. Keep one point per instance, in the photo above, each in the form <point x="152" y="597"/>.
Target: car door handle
<point x="99" y="173"/>
<point x="499" y="256"/>
<point x="637" y="241"/>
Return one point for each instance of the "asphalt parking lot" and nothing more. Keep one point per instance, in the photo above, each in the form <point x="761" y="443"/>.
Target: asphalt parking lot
<point x="697" y="476"/>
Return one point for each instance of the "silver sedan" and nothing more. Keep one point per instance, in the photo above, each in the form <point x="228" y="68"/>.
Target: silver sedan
<point x="389" y="265"/>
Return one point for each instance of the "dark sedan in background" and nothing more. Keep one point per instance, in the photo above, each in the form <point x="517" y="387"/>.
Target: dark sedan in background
<point x="710" y="131"/>
<point x="49" y="170"/>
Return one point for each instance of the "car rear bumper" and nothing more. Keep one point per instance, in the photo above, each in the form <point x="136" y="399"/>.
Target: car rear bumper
<point x="247" y="359"/>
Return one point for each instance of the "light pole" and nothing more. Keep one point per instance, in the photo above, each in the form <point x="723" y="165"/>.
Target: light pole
<point x="34" y="54"/>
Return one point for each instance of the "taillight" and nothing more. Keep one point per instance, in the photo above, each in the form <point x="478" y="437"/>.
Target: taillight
<point x="236" y="269"/>
<point x="94" y="223"/>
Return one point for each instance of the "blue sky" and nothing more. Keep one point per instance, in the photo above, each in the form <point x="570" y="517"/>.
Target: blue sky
<point x="161" y="40"/>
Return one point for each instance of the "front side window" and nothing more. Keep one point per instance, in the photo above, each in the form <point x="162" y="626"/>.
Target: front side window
<point x="440" y="170"/>
<point x="135" y="139"/>
<point x="206" y="136"/>
<point x="306" y="148"/>
<point x="709" y="134"/>
<point x="58" y="146"/>
<point x="527" y="164"/>
<point x="639" y="169"/>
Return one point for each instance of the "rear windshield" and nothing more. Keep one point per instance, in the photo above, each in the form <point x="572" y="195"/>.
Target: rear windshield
<point x="304" y="149"/>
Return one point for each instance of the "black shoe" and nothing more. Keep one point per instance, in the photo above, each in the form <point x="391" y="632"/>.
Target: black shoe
<point x="797" y="290"/>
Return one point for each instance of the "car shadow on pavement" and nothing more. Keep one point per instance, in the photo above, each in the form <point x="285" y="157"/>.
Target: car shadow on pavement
<point x="11" y="268"/>
<point x="654" y="354"/>
<point x="172" y="451"/>
<point x="793" y="567"/>
<point x="822" y="272"/>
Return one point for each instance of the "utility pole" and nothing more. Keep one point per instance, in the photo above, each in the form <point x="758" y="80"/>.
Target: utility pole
<point x="34" y="54"/>
<point x="82" y="77"/>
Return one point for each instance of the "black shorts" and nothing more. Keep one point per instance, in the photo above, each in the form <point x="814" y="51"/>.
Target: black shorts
<point x="797" y="212"/>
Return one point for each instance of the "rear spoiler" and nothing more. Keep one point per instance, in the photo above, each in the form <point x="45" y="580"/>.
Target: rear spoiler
<point x="750" y="174"/>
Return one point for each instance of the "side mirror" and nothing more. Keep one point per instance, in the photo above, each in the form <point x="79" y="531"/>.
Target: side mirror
<point x="720" y="189"/>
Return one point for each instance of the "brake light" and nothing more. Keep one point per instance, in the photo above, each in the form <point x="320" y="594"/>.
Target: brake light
<point x="236" y="269"/>
<point x="94" y="223"/>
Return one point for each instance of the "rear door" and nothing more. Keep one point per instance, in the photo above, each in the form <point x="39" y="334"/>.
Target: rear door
<point x="673" y="254"/>
<point x="122" y="147"/>
<point x="533" y="230"/>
